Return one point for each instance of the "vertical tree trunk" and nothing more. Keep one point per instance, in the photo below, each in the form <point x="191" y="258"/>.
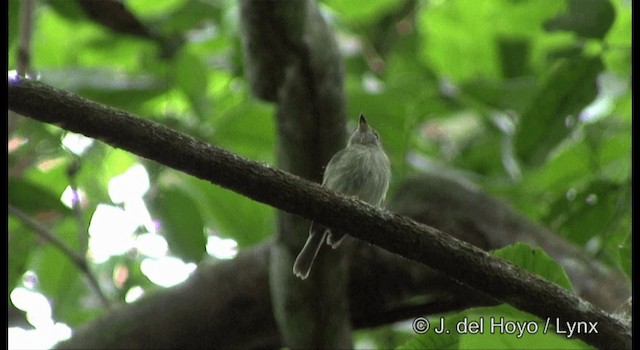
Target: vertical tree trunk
<point x="292" y="59"/>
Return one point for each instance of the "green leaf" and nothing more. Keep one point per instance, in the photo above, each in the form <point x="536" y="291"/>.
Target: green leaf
<point x="450" y="49"/>
<point x="565" y="169"/>
<point x="62" y="284"/>
<point x="534" y="260"/>
<point x="483" y="155"/>
<point x="354" y="12"/>
<point x="185" y="17"/>
<point x="625" y="255"/>
<point x="507" y="94"/>
<point x="514" y="56"/>
<point x="68" y="9"/>
<point x="247" y="129"/>
<point x="192" y="79"/>
<point x="61" y="281"/>
<point x="586" y="18"/>
<point x="106" y="161"/>
<point x="569" y="88"/>
<point x="614" y="153"/>
<point x="590" y="211"/>
<point x="147" y="8"/>
<point x="619" y="61"/>
<point x="20" y="245"/>
<point x="181" y="223"/>
<point x="232" y="215"/>
<point x="33" y="198"/>
<point x="14" y="16"/>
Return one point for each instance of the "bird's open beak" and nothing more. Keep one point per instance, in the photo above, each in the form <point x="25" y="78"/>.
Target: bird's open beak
<point x="362" y="125"/>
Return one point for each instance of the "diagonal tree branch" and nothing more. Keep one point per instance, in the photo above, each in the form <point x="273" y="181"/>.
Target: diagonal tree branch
<point x="460" y="261"/>
<point x="383" y="287"/>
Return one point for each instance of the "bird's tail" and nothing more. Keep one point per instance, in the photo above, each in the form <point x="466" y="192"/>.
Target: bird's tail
<point x="302" y="266"/>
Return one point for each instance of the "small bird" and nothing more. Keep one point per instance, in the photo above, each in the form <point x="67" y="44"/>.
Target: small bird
<point x="361" y="169"/>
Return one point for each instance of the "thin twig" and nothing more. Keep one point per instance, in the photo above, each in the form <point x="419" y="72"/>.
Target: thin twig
<point x="26" y="27"/>
<point x="79" y="261"/>
<point x="72" y="171"/>
<point x="24" y="52"/>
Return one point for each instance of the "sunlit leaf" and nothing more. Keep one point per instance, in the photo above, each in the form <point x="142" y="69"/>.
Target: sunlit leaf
<point x="453" y="52"/>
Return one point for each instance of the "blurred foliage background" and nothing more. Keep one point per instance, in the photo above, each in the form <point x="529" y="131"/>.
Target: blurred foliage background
<point x="529" y="99"/>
